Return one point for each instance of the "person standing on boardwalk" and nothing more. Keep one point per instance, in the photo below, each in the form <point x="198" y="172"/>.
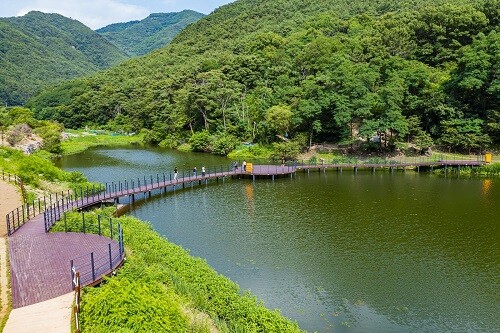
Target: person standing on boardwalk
<point x="194" y="171"/>
<point x="203" y="171"/>
<point x="175" y="173"/>
<point x="244" y="165"/>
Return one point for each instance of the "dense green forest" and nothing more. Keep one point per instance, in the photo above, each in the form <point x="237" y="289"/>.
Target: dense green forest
<point x="38" y="49"/>
<point x="155" y="31"/>
<point x="383" y="74"/>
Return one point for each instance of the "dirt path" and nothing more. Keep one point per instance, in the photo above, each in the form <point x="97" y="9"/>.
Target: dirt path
<point x="9" y="200"/>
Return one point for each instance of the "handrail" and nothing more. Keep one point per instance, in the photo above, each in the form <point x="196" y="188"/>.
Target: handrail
<point x="384" y="161"/>
<point x="17" y="180"/>
<point x="112" y="190"/>
<point x="91" y="266"/>
<point x="54" y="206"/>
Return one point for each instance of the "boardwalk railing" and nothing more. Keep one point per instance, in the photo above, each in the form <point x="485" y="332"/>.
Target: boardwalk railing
<point x="55" y="205"/>
<point x="398" y="160"/>
<point x="22" y="214"/>
<point x="92" y="266"/>
<point x="114" y="190"/>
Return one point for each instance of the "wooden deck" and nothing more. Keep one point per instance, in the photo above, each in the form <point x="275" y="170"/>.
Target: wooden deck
<point x="40" y="261"/>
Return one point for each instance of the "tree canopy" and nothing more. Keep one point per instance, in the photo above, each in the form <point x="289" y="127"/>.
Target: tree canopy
<point x="326" y="70"/>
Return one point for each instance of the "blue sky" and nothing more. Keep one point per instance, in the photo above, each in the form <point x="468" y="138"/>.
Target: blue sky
<point x="99" y="13"/>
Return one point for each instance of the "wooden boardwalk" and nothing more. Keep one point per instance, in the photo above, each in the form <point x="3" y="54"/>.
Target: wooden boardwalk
<point x="401" y="165"/>
<point x="40" y="261"/>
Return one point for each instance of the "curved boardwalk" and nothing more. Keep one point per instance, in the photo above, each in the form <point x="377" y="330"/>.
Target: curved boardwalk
<point x="40" y="261"/>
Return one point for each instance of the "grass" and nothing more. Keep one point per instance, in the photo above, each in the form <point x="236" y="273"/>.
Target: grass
<point x="253" y="152"/>
<point x="80" y="140"/>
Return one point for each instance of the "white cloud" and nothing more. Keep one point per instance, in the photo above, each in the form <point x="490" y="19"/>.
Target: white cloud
<point x="93" y="13"/>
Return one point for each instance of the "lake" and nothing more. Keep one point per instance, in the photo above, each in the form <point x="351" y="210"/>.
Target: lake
<point x="336" y="252"/>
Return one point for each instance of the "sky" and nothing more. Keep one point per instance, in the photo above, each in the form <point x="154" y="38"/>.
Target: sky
<point x="99" y="13"/>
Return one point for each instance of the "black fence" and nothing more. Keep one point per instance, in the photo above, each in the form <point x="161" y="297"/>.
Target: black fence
<point x="92" y="266"/>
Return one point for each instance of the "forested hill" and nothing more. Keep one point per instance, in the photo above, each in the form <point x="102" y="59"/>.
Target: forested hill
<point x="38" y="49"/>
<point x="420" y="71"/>
<point x="157" y="30"/>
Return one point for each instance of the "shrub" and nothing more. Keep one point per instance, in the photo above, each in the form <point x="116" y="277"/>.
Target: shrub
<point x="201" y="141"/>
<point x="224" y="144"/>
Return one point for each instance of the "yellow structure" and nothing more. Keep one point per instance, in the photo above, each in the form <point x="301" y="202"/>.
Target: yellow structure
<point x="488" y="157"/>
<point x="249" y="167"/>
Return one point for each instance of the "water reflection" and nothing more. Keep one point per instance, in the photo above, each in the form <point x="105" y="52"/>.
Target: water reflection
<point x="487" y="187"/>
<point x="249" y="197"/>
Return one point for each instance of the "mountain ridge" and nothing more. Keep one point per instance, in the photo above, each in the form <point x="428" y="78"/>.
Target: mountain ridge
<point x="40" y="49"/>
<point x="140" y="37"/>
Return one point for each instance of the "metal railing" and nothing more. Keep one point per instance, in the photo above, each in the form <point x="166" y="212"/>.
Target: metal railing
<point x="92" y="266"/>
<point x="56" y="201"/>
<point x="389" y="161"/>
<point x="55" y="210"/>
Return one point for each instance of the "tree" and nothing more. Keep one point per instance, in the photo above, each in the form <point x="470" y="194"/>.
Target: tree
<point x="464" y="134"/>
<point x="201" y="141"/>
<point x="285" y="150"/>
<point x="279" y="118"/>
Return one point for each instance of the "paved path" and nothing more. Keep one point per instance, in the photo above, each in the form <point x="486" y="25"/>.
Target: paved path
<point x="52" y="316"/>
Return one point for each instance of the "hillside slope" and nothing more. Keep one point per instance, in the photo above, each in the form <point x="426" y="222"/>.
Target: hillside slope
<point x="157" y="30"/>
<point x="336" y="71"/>
<point x="40" y="49"/>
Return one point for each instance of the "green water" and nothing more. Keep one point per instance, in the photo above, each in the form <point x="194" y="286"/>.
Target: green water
<point x="382" y="252"/>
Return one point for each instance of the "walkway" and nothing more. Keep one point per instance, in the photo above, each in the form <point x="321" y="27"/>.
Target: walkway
<point x="40" y="261"/>
<point x="52" y="316"/>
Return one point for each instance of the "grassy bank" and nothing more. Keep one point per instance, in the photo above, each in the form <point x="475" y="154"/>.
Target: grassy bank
<point x="161" y="286"/>
<point x="78" y="141"/>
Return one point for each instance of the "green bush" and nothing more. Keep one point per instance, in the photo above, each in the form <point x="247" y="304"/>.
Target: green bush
<point x="123" y="304"/>
<point x="201" y="141"/>
<point x="224" y="144"/>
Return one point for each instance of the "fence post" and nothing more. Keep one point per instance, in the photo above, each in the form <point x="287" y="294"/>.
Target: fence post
<point x="83" y="220"/>
<point x="73" y="282"/>
<point x="120" y="241"/>
<point x="111" y="228"/>
<point x="65" y="225"/>
<point x="110" y="259"/>
<point x="93" y="266"/>
<point x="17" y="209"/>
